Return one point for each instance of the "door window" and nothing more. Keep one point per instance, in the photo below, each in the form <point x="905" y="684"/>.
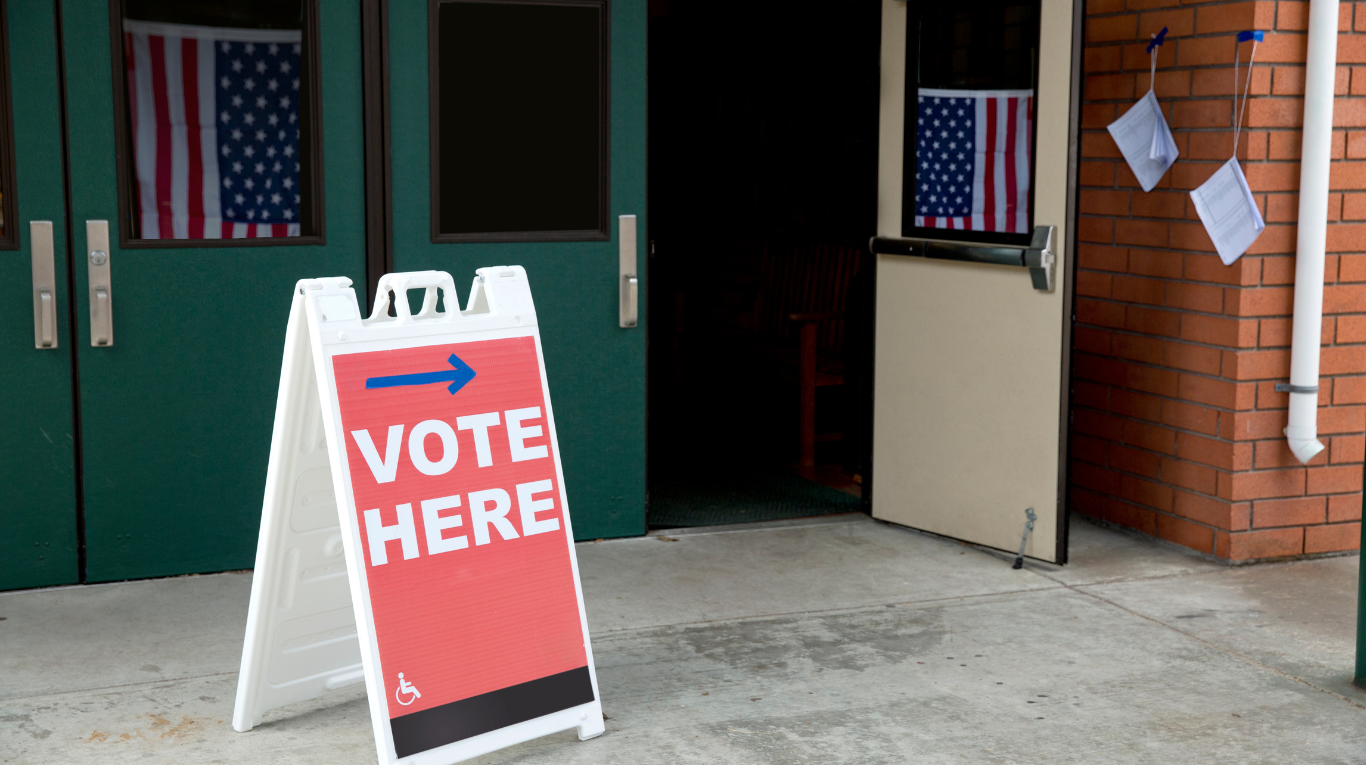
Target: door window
<point x="519" y="120"/>
<point x="970" y="87"/>
<point x="218" y="130"/>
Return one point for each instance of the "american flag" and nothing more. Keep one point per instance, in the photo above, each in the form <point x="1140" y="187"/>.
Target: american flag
<point x="215" y="121"/>
<point x="972" y="159"/>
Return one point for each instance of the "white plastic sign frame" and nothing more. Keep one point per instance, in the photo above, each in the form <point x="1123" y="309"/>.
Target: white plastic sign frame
<point x="311" y="625"/>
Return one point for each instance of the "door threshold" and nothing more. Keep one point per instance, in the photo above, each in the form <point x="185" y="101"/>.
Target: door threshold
<point x="796" y="522"/>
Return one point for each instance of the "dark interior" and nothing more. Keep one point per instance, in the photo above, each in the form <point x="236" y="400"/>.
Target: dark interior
<point x="763" y="191"/>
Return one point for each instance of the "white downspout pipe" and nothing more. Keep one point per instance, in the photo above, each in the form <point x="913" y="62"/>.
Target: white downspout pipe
<point x="1320" y="75"/>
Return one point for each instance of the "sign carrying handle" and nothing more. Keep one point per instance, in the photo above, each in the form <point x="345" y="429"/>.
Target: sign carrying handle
<point x="399" y="283"/>
<point x="1256" y="36"/>
<point x="1156" y="43"/>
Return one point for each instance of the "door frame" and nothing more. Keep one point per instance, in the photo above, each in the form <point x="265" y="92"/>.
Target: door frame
<point x="379" y="199"/>
<point x="1070" y="292"/>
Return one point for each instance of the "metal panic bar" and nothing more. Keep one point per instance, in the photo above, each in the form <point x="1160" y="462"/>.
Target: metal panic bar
<point x="1037" y="257"/>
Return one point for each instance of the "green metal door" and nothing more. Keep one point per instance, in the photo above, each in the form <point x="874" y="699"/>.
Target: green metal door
<point x="495" y="106"/>
<point x="38" y="471"/>
<point x="176" y="413"/>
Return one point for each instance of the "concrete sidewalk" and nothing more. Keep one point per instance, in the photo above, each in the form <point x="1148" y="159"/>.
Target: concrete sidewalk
<point x="834" y="640"/>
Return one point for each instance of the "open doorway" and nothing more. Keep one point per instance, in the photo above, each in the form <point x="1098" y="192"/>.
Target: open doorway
<point x="763" y="131"/>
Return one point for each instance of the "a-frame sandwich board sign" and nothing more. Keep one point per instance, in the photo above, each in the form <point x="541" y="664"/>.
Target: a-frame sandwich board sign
<point x="415" y="532"/>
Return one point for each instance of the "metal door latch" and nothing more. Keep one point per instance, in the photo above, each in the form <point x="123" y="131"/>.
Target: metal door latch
<point x="629" y="284"/>
<point x="44" y="285"/>
<point x="101" y="289"/>
<point x="1029" y="526"/>
<point x="1040" y="259"/>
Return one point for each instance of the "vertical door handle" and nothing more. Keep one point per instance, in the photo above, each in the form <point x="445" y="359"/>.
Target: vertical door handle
<point x="46" y="333"/>
<point x="44" y="285"/>
<point x="629" y="285"/>
<point x="630" y="301"/>
<point x="101" y="290"/>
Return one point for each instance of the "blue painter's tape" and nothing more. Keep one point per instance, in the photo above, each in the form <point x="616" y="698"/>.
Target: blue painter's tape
<point x="1157" y="40"/>
<point x="1251" y="34"/>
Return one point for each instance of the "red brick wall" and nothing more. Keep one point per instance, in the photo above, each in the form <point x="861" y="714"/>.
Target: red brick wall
<point x="1176" y="425"/>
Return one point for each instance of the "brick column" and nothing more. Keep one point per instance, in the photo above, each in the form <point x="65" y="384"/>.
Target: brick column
<point x="1176" y="424"/>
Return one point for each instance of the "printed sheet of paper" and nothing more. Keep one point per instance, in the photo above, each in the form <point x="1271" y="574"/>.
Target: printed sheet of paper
<point x="1145" y="140"/>
<point x="1228" y="211"/>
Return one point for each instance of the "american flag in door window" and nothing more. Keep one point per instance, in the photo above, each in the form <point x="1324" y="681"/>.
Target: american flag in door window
<point x="215" y="123"/>
<point x="972" y="159"/>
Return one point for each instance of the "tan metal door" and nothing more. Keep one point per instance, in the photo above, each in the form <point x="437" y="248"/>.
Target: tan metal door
<point x="970" y="382"/>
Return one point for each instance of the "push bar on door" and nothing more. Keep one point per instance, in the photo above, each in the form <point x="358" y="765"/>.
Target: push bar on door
<point x="1038" y="257"/>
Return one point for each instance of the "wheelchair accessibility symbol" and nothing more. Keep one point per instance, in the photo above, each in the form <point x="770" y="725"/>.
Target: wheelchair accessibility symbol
<point x="405" y="687"/>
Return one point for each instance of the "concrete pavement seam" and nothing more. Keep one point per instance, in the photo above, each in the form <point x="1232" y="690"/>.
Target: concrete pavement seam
<point x="99" y="691"/>
<point x="823" y="612"/>
<point x="1209" y="643"/>
<point x="853" y="518"/>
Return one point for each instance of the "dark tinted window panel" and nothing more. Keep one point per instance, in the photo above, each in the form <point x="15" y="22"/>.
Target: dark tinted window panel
<point x="519" y="121"/>
<point x="970" y="101"/>
<point x="218" y="121"/>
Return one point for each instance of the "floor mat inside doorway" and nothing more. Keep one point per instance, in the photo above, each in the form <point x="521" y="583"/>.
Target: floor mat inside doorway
<point x="708" y="498"/>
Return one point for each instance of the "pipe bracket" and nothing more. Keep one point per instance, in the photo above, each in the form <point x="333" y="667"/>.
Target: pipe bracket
<point x="1296" y="389"/>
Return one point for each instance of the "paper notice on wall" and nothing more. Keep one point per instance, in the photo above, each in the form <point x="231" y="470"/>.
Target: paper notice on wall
<point x="1164" y="146"/>
<point x="1145" y="140"/>
<point x="1228" y="211"/>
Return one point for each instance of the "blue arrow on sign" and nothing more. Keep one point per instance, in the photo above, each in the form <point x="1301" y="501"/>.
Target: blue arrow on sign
<point x="458" y="378"/>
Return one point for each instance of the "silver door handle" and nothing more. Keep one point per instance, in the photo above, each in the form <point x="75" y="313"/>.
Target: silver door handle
<point x="630" y="301"/>
<point x="44" y="285"/>
<point x="629" y="314"/>
<point x="99" y="318"/>
<point x="49" y="317"/>
<point x="101" y="291"/>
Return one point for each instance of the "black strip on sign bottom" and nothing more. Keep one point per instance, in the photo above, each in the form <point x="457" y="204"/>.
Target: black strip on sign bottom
<point x="490" y="711"/>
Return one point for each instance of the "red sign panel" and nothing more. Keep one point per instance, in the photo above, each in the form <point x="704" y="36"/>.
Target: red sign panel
<point x="465" y="548"/>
